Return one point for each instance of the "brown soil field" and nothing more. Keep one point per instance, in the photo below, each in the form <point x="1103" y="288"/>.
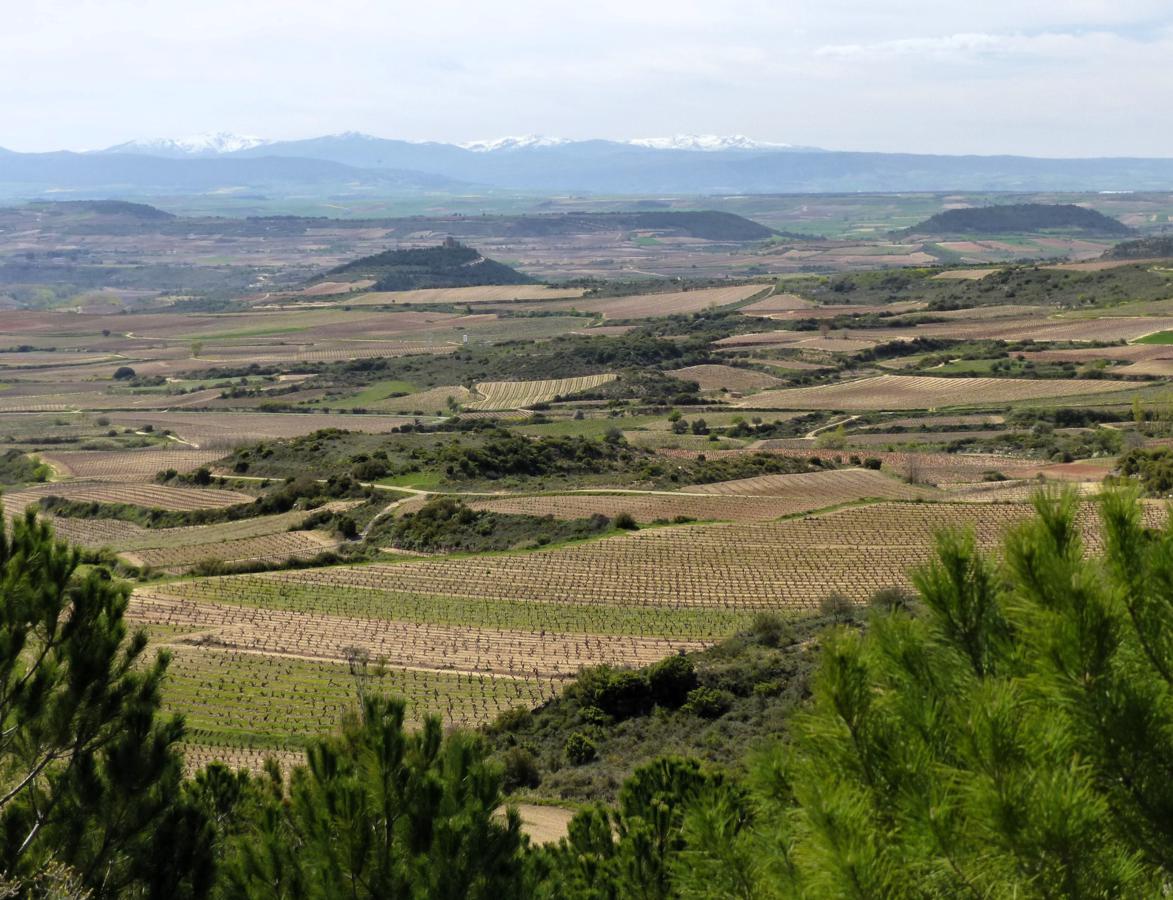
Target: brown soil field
<point x="644" y="508"/>
<point x="821" y="488"/>
<point x="126" y="465"/>
<point x="922" y="392"/>
<point x="465" y="649"/>
<point x="225" y="430"/>
<point x="429" y="402"/>
<point x="924" y="468"/>
<point x="463" y="295"/>
<point x="1115" y="328"/>
<point x="777" y="303"/>
<point x="646" y="305"/>
<point x="152" y="496"/>
<point x="731" y="378"/>
<point x="325" y="288"/>
<point x="967" y="274"/>
<point x="264" y="548"/>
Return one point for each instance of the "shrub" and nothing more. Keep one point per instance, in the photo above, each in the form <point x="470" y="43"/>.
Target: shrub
<point x="873" y="463"/>
<point x="519" y="769"/>
<point x="837" y="606"/>
<point x="671" y="680"/>
<point x="123" y="373"/>
<point x="891" y="599"/>
<point x="626" y="521"/>
<point x="708" y="703"/>
<point x="770" y="629"/>
<point x="625" y="694"/>
<point x="579" y="749"/>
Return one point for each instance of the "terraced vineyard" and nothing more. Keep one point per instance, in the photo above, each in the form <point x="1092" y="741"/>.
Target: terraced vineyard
<point x="518" y="394"/>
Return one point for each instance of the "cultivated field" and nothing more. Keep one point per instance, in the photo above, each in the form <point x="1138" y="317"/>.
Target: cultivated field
<point x="747" y="500"/>
<point x="518" y="394"/>
<point x="729" y="378"/>
<point x="925" y="392"/>
<point x="644" y="306"/>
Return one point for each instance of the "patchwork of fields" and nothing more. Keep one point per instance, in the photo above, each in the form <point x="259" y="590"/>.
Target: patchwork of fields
<point x="656" y="467"/>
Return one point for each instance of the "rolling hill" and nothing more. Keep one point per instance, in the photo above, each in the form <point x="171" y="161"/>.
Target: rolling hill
<point x="451" y="264"/>
<point x="1019" y="218"/>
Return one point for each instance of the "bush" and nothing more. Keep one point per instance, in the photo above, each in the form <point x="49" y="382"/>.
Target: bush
<point x="837" y="606"/>
<point x="520" y="769"/>
<point x="873" y="463"/>
<point x="626" y="521"/>
<point x="671" y="680"/>
<point x="891" y="599"/>
<point x="579" y="749"/>
<point x="770" y="629"/>
<point x="123" y="373"/>
<point x="708" y="703"/>
<point x="625" y="694"/>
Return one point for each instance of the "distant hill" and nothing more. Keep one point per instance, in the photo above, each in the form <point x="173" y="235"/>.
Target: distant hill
<point x="1019" y="218"/>
<point x="703" y="224"/>
<point x="452" y="264"/>
<point x="1143" y="248"/>
<point x="121" y="208"/>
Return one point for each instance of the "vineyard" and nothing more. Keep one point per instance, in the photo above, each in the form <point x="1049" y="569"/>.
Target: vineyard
<point x="645" y="306"/>
<point x="469" y="638"/>
<point x="517" y="394"/>
<point x="225" y="430"/>
<point x="729" y="378"/>
<point x="152" y="496"/>
<point x="747" y="500"/>
<point x="923" y="392"/>
<point x="126" y="465"/>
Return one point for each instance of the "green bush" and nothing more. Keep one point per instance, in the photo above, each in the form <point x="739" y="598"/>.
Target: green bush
<point x="770" y="629"/>
<point x="626" y="521"/>
<point x="579" y="749"/>
<point x="671" y="680"/>
<point x="708" y="703"/>
<point x="520" y="769"/>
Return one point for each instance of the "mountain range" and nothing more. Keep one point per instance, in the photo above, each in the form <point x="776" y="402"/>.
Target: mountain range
<point x="352" y="164"/>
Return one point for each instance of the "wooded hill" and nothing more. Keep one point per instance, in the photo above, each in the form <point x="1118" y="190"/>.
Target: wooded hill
<point x="1019" y="218"/>
<point x="452" y="264"/>
<point x="1143" y="248"/>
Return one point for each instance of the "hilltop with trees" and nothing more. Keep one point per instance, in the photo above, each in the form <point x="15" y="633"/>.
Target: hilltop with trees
<point x="452" y="264"/>
<point x="1019" y="218"/>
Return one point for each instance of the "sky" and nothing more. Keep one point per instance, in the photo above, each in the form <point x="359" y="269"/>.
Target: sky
<point x="1033" y="77"/>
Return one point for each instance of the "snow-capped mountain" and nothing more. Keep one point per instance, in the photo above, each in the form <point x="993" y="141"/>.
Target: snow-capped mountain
<point x="520" y="142"/>
<point x="707" y="142"/>
<point x="213" y="143"/>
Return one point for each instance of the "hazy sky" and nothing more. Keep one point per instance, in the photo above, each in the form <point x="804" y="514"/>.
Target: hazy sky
<point x="1043" y="77"/>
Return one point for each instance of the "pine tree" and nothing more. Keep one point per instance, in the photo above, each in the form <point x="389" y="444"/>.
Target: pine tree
<point x="1012" y="739"/>
<point x="89" y="774"/>
<point x="378" y="812"/>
